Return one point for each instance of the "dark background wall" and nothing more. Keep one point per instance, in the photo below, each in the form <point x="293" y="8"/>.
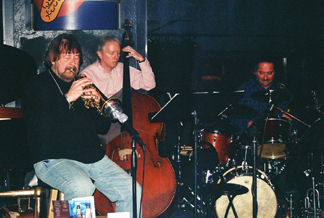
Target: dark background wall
<point x="190" y="39"/>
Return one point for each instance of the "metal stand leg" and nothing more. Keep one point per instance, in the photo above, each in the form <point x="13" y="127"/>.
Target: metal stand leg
<point x="195" y="160"/>
<point x="230" y="205"/>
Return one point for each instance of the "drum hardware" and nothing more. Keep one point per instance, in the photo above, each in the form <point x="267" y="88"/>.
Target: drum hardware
<point x="286" y="212"/>
<point x="185" y="204"/>
<point x="290" y="209"/>
<point x="186" y="151"/>
<point x="204" y="200"/>
<point x="177" y="109"/>
<point x="207" y="177"/>
<point x="244" y="163"/>
<point x="316" y="101"/>
<point x="274" y="167"/>
<point x="268" y="96"/>
<point x="282" y="168"/>
<point x="182" y="204"/>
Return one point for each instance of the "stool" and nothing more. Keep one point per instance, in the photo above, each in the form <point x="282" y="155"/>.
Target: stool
<point x="36" y="192"/>
<point x="231" y="190"/>
<point x="54" y="195"/>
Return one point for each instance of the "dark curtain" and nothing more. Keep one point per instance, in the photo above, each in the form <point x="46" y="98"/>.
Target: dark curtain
<point x="172" y="60"/>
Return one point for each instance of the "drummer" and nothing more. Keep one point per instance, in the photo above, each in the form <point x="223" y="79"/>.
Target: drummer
<point x="265" y="80"/>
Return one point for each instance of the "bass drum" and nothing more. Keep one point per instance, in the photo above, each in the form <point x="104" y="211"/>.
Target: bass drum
<point x="243" y="204"/>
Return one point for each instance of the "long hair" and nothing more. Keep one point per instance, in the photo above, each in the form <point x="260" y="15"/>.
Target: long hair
<point x="63" y="43"/>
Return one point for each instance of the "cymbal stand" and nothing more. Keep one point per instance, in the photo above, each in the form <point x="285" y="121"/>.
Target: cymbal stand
<point x="318" y="108"/>
<point x="322" y="173"/>
<point x="183" y="201"/>
<point x="196" y="197"/>
<point x="254" y="185"/>
<point x="194" y="113"/>
<point x="195" y="200"/>
<point x="178" y="159"/>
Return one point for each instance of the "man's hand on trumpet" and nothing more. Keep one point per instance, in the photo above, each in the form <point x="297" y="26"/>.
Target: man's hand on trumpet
<point x="80" y="88"/>
<point x="91" y="93"/>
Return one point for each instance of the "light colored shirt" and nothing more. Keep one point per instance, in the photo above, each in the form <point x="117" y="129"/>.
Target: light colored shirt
<point x="111" y="83"/>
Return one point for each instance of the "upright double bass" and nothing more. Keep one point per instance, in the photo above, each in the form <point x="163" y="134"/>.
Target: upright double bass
<point x="159" y="182"/>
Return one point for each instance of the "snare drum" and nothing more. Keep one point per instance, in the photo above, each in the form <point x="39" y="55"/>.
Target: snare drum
<point x="243" y="204"/>
<point x="274" y="135"/>
<point x="276" y="130"/>
<point x="221" y="142"/>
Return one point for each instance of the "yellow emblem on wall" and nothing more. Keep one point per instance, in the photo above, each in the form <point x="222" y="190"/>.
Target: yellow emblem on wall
<point x="50" y="9"/>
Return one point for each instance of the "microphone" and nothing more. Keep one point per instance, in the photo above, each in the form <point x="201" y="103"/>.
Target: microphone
<point x="113" y="109"/>
<point x="122" y="118"/>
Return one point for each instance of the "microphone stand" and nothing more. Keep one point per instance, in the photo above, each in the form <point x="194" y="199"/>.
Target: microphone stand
<point x="134" y="168"/>
<point x="254" y="179"/>
<point x="135" y="138"/>
<point x="252" y="132"/>
<point x="194" y="113"/>
<point x="112" y="109"/>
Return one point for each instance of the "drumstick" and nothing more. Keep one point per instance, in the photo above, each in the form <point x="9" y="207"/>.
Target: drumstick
<point x="293" y="117"/>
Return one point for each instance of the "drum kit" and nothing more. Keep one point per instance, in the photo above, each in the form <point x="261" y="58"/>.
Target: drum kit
<point x="278" y="141"/>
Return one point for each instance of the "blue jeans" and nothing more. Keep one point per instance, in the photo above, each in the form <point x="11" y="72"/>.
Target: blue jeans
<point x="76" y="179"/>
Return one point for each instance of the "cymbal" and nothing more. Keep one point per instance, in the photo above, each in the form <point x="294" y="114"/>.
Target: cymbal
<point x="272" y="150"/>
<point x="304" y="104"/>
<point x="277" y="96"/>
<point x="221" y="125"/>
<point x="241" y="111"/>
<point x="312" y="140"/>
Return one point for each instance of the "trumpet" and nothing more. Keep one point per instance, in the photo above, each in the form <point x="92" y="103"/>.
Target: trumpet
<point x="106" y="107"/>
<point x="312" y="201"/>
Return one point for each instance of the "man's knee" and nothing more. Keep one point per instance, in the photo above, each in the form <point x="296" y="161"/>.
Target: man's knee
<point x="79" y="189"/>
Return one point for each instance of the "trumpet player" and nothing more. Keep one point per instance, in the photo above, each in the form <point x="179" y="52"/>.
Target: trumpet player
<point x="63" y="134"/>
